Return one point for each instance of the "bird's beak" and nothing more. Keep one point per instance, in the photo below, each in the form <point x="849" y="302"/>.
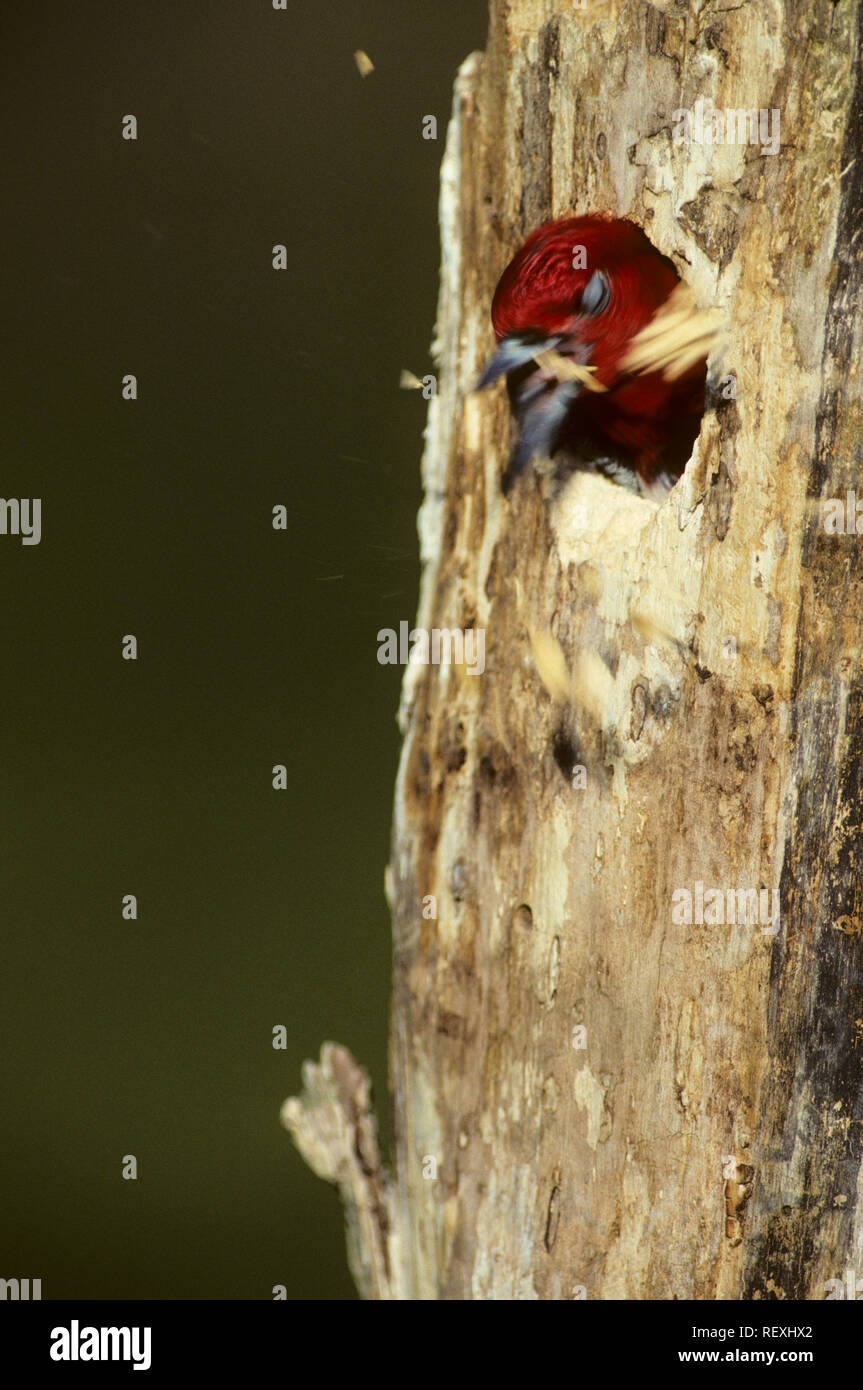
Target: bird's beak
<point x="540" y="410"/>
<point x="539" y="402"/>
<point x="514" y="352"/>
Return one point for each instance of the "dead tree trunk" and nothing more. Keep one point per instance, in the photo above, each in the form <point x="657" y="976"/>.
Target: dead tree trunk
<point x="602" y="1085"/>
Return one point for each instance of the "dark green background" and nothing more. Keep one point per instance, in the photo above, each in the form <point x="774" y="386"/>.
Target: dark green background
<point x="256" y="647"/>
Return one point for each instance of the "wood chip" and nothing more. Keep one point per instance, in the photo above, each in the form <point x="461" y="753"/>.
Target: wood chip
<point x="551" y="666"/>
<point x="679" y="335"/>
<point x="593" y="686"/>
<point x="566" y="370"/>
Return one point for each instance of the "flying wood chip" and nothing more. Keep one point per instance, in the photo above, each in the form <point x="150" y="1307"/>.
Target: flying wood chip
<point x="566" y="370"/>
<point x="590" y="684"/>
<point x="593" y="685"/>
<point x="679" y="335"/>
<point x="551" y="665"/>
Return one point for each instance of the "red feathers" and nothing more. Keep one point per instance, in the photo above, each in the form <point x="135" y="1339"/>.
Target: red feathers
<point x="582" y="288"/>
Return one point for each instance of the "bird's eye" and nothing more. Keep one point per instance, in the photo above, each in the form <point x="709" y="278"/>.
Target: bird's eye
<point x="597" y="294"/>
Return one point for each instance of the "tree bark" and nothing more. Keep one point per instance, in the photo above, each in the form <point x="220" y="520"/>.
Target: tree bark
<point x="592" y="1096"/>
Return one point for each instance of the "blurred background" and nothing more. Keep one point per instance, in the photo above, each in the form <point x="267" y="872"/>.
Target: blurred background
<point x="153" y="777"/>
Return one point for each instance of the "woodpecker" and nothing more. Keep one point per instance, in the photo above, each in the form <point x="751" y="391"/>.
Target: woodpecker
<point x="575" y="296"/>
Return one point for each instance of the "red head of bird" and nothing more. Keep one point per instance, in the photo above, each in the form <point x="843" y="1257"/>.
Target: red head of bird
<point x="583" y="287"/>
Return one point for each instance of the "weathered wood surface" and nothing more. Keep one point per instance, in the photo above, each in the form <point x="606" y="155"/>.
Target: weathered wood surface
<point x="706" y="1140"/>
